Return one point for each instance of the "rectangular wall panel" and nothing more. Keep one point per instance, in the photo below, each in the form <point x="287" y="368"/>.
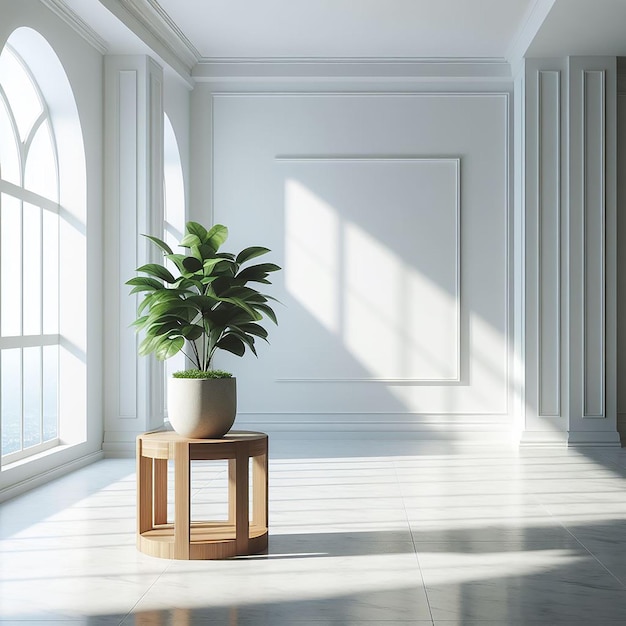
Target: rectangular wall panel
<point x="548" y="238"/>
<point x="386" y="277"/>
<point x="389" y="216"/>
<point x="127" y="236"/>
<point x="594" y="243"/>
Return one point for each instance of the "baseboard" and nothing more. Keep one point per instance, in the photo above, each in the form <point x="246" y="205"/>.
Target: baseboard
<point x="491" y="430"/>
<point x="542" y="439"/>
<point x="596" y="438"/>
<point x="621" y="427"/>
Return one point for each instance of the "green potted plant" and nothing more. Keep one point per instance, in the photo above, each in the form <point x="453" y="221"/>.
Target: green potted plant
<point x="207" y="305"/>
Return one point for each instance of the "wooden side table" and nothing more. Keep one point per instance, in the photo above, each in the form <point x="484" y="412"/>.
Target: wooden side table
<point x="184" y="539"/>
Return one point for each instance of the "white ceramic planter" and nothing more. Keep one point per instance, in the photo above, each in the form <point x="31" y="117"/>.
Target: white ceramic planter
<point x="202" y="408"/>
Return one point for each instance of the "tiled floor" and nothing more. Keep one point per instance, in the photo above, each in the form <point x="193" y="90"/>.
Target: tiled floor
<point x="361" y="533"/>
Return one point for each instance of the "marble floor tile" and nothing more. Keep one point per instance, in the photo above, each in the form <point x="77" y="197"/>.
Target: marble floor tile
<point x="533" y="585"/>
<point x="361" y="532"/>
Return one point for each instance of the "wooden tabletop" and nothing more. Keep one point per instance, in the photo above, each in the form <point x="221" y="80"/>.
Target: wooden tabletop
<point x="234" y="436"/>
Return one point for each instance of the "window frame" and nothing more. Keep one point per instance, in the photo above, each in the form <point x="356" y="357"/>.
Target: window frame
<point x="42" y="204"/>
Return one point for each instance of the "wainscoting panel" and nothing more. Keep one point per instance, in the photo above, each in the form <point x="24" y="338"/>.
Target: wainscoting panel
<point x="390" y="216"/>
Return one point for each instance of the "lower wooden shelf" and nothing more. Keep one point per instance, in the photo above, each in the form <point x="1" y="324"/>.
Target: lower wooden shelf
<point x="208" y="540"/>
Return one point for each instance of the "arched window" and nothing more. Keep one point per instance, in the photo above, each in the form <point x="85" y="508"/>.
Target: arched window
<point x="32" y="218"/>
<point x="173" y="210"/>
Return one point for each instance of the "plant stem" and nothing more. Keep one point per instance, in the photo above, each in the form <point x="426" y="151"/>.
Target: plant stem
<point x="195" y="351"/>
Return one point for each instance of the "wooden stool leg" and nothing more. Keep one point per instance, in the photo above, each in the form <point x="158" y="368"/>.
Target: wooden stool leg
<point x="144" y="491"/>
<point x="182" y="505"/>
<point x="160" y="491"/>
<point x="232" y="490"/>
<point x="238" y="487"/>
<point x="259" y="490"/>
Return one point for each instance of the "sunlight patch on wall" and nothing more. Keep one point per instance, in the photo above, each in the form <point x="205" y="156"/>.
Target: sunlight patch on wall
<point x="395" y="312"/>
<point x="399" y="323"/>
<point x="312" y="252"/>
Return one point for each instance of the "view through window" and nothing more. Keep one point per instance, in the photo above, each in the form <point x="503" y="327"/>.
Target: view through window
<point x="29" y="264"/>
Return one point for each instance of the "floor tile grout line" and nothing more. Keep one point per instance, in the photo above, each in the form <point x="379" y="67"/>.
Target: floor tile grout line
<point x="417" y="559"/>
<point x="580" y="542"/>
<point x="143" y="595"/>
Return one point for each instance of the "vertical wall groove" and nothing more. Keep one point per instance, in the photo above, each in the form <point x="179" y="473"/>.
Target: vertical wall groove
<point x="548" y="243"/>
<point x="594" y="218"/>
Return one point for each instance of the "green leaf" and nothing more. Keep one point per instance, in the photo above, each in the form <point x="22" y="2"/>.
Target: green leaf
<point x="233" y="344"/>
<point x="192" y="332"/>
<point x="139" y="322"/>
<point x="191" y="264"/>
<point x="172" y="308"/>
<point x="146" y="302"/>
<point x="217" y="236"/>
<point x="165" y="328"/>
<point x="253" y="329"/>
<point x="145" y="281"/>
<point x="193" y="228"/>
<point x="211" y="264"/>
<point x="167" y="348"/>
<point x="177" y="259"/>
<point x="268" y="311"/>
<point x="147" y="346"/>
<point x="202" y="303"/>
<point x="251" y="253"/>
<point x="157" y="270"/>
<point x="241" y="304"/>
<point x="254" y="272"/>
<point x="190" y="240"/>
<point x="247" y="339"/>
<point x="159" y="243"/>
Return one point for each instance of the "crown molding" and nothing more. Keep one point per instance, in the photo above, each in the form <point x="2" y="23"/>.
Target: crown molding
<point x="159" y="24"/>
<point x="349" y="68"/>
<point x="60" y="9"/>
<point x="530" y="25"/>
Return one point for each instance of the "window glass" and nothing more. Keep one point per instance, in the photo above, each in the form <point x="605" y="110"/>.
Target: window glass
<point x="11" y="399"/>
<point x="32" y="396"/>
<point x="50" y="392"/>
<point x="9" y="152"/>
<point x="10" y="266"/>
<point x="41" y="172"/>
<point x="50" y="267"/>
<point x="20" y="91"/>
<point x="31" y="278"/>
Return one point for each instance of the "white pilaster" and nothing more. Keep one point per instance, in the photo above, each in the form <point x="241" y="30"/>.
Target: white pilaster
<point x="592" y="209"/>
<point x="133" y="206"/>
<point x="570" y="252"/>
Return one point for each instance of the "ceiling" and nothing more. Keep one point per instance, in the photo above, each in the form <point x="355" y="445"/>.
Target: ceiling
<point x="188" y="32"/>
<point x="348" y="28"/>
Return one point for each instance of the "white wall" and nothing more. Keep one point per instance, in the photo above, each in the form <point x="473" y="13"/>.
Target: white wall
<point x="390" y="214"/>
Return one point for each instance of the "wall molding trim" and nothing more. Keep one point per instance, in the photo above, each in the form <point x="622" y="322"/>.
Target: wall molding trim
<point x="153" y="25"/>
<point x="351" y="69"/>
<point x="592" y="211"/>
<point x="60" y="9"/>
